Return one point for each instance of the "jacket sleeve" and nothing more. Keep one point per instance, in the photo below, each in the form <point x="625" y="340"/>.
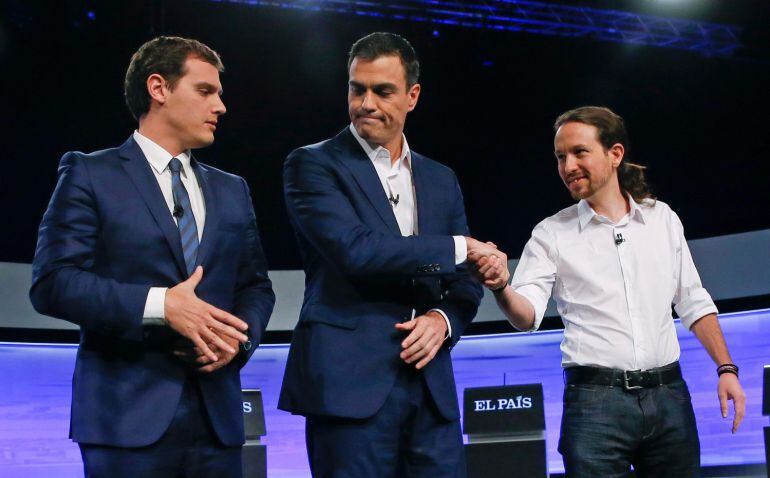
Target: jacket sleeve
<point x="323" y="214"/>
<point x="63" y="283"/>
<point x="254" y="296"/>
<point x="461" y="294"/>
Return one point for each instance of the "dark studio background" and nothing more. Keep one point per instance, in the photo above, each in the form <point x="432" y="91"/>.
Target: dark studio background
<point x="488" y="101"/>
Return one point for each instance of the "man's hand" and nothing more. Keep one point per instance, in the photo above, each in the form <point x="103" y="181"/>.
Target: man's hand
<point x="200" y="322"/>
<point x="192" y="355"/>
<point x="426" y="334"/>
<point x="730" y="389"/>
<point x="478" y="249"/>
<point x="489" y="265"/>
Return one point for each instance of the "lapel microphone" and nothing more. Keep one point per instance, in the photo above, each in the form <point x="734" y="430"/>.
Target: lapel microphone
<point x="178" y="211"/>
<point x="619" y="239"/>
<point x="393" y="200"/>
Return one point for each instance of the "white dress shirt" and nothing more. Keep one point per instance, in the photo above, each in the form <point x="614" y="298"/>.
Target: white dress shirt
<point x="396" y="179"/>
<point x="159" y="159"/>
<point x="614" y="284"/>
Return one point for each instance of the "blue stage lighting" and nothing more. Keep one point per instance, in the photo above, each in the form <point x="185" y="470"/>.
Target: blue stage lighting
<point x="540" y="18"/>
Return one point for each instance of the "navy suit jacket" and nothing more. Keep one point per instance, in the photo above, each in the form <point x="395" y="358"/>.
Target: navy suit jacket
<point x="363" y="277"/>
<point x="105" y="239"/>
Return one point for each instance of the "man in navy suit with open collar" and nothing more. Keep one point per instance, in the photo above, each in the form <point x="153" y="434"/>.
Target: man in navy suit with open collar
<point x="157" y="258"/>
<point x="382" y="234"/>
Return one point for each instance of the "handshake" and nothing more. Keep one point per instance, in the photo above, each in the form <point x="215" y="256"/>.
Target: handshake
<point x="488" y="264"/>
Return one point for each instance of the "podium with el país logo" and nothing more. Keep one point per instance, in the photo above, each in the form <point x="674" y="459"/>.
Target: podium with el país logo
<point x="506" y="431"/>
<point x="254" y="452"/>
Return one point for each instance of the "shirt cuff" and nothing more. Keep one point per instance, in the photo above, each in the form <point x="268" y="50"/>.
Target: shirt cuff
<point x="461" y="252"/>
<point x="697" y="305"/>
<point x="154" y="307"/>
<point x="446" y="319"/>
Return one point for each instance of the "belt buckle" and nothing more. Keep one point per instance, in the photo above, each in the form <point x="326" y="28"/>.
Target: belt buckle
<point x="626" y="379"/>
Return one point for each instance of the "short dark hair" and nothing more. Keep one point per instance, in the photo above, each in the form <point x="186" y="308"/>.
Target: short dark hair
<point x="379" y="44"/>
<point x="166" y="56"/>
<point x="611" y="130"/>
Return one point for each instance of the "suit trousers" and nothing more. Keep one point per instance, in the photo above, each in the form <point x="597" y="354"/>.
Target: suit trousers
<point x="188" y="449"/>
<point x="406" y="438"/>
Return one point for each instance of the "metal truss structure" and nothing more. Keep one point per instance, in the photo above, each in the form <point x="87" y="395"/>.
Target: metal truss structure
<point x="540" y="18"/>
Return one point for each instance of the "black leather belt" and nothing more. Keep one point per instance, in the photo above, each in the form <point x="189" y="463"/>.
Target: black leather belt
<point x="628" y="379"/>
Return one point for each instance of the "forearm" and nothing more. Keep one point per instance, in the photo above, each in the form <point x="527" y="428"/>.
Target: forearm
<point x="709" y="333"/>
<point x="516" y="308"/>
<point x="323" y="213"/>
<point x="92" y="302"/>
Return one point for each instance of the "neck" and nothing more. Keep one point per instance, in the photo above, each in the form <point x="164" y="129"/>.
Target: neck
<point x="610" y="201"/>
<point x="160" y="133"/>
<point x="395" y="147"/>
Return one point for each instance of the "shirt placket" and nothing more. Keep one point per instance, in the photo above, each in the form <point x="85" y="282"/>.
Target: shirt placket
<point x="628" y="271"/>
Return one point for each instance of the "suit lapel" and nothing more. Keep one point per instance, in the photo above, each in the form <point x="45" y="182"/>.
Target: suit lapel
<point x="138" y="169"/>
<point x="422" y="193"/>
<point x="361" y="166"/>
<point x="212" y="214"/>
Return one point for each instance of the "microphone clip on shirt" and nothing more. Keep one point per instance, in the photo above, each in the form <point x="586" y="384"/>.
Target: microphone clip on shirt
<point x="619" y="239"/>
<point x="393" y="200"/>
<point x="178" y="211"/>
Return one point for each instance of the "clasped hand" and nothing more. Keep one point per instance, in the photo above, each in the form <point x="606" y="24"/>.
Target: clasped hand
<point x="489" y="265"/>
<point x="210" y="335"/>
<point x="426" y="334"/>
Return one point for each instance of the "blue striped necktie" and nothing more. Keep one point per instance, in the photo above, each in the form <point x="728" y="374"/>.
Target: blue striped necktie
<point x="188" y="231"/>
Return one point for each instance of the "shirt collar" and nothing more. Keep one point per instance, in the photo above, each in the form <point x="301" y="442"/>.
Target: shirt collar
<point x="586" y="212"/>
<point x="159" y="157"/>
<point x="379" y="153"/>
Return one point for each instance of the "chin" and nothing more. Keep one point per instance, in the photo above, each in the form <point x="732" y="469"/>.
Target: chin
<point x="204" y="141"/>
<point x="580" y="194"/>
<point x="363" y="131"/>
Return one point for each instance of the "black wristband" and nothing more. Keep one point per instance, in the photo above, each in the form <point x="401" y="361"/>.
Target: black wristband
<point x="727" y="368"/>
<point x="502" y="287"/>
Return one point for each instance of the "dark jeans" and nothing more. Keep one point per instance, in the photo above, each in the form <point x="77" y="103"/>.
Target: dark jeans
<point x="406" y="438"/>
<point x="189" y="449"/>
<point x="605" y="430"/>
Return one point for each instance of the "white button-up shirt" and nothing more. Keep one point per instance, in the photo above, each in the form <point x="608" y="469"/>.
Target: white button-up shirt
<point x="396" y="179"/>
<point x="159" y="159"/>
<point x="614" y="284"/>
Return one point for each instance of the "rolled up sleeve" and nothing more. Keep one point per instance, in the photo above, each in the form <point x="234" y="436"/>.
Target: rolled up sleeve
<point x="536" y="272"/>
<point x="691" y="300"/>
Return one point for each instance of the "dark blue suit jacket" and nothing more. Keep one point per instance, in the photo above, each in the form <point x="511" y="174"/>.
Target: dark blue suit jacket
<point x="106" y="238"/>
<point x="363" y="277"/>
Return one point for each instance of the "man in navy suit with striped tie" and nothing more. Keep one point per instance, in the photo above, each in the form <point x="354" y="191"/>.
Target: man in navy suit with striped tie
<point x="157" y="258"/>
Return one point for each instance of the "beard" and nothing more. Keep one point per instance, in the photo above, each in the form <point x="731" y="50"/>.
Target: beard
<point x="594" y="184"/>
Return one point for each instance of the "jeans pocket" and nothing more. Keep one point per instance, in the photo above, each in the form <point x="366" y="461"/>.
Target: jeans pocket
<point x="678" y="390"/>
<point x="582" y="393"/>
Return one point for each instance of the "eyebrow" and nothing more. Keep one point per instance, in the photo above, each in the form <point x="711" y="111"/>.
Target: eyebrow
<point x="577" y="146"/>
<point x="378" y="86"/>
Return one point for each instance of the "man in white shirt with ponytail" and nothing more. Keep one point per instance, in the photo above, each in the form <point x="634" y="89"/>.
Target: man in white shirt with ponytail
<point x="615" y="262"/>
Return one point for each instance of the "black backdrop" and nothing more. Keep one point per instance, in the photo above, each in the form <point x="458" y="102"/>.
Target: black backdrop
<point x="488" y="102"/>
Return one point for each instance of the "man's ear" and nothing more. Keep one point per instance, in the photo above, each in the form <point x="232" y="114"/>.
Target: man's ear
<point x="414" y="95"/>
<point x="157" y="87"/>
<point x="616" y="153"/>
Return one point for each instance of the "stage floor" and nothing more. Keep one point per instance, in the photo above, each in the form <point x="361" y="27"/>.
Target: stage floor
<point x="35" y="386"/>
